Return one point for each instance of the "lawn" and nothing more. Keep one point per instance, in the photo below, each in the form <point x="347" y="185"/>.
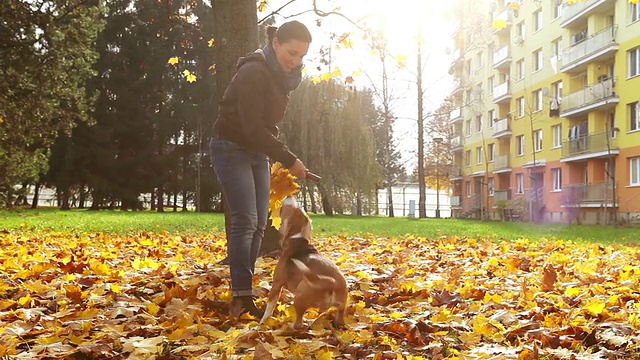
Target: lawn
<point x="142" y="285"/>
<point x="119" y="222"/>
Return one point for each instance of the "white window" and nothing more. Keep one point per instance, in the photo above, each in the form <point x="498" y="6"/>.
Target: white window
<point x="467" y="157"/>
<point x="490" y="84"/>
<point x="479" y="60"/>
<point x="557" y="89"/>
<point x="634" y="164"/>
<point x="537" y="60"/>
<point x="520" y="145"/>
<point x="478" y="123"/>
<point x="537" y="20"/>
<point x="634" y="116"/>
<point x="537" y="100"/>
<point x="492" y="152"/>
<point x="491" y="185"/>
<point x="634" y="62"/>
<point x="491" y="115"/>
<point x="557" y="179"/>
<point x="557" y="8"/>
<point x="519" y="183"/>
<point x="557" y="136"/>
<point x="634" y="11"/>
<point x="468" y="127"/>
<point x="467" y="185"/>
<point x="537" y="140"/>
<point x="521" y="31"/>
<point x="520" y="107"/>
<point x="613" y="132"/>
<point x="520" y="69"/>
<point x="479" y="155"/>
<point x="468" y="68"/>
<point x="556" y="48"/>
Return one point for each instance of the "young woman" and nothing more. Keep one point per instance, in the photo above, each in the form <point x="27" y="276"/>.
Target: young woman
<point x="245" y="137"/>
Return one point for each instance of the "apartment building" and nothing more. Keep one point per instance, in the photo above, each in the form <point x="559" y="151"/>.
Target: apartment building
<point x="547" y="121"/>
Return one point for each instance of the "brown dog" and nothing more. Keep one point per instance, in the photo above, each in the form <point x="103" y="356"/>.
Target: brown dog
<point x="314" y="279"/>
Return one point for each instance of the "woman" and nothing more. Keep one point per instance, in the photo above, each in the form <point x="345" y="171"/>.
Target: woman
<point x="245" y="137"/>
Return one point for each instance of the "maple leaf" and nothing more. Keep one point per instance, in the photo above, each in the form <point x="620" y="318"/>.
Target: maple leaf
<point x="211" y="42"/>
<point x="499" y="24"/>
<point x="191" y="78"/>
<point x="173" y="60"/>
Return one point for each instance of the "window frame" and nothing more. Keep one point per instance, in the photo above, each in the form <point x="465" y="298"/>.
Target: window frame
<point x="520" y="183"/>
<point x="537" y="20"/>
<point x="479" y="155"/>
<point x="634" y="116"/>
<point x="492" y="152"/>
<point x="520" y="145"/>
<point x="479" y="123"/>
<point x="538" y="60"/>
<point x="521" y="107"/>
<point x="520" y="69"/>
<point x="537" y="100"/>
<point x="491" y="184"/>
<point x="556" y="130"/>
<point x="467" y="186"/>
<point x="538" y="140"/>
<point x="467" y="159"/>
<point x="633" y="68"/>
<point x="634" y="171"/>
<point x="634" y="12"/>
<point x="556" y="173"/>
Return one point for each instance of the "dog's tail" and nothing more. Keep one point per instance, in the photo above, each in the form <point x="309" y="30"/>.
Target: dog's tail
<point x="320" y="282"/>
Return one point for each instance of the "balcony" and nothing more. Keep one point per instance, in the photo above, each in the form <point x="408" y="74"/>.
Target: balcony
<point x="576" y="14"/>
<point x="600" y="46"/>
<point x="589" y="147"/>
<point x="588" y="195"/>
<point x="598" y="96"/>
<point x="501" y="195"/>
<point x="455" y="173"/>
<point x="456" y="144"/>
<point x="501" y="93"/>
<point x="457" y="64"/>
<point x="459" y="87"/>
<point x="504" y="15"/>
<point x="501" y="128"/>
<point x="502" y="58"/>
<point x="455" y="116"/>
<point x="501" y="164"/>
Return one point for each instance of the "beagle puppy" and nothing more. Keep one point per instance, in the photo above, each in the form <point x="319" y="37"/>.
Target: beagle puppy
<point x="314" y="279"/>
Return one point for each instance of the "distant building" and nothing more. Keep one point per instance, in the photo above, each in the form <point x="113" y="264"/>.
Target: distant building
<point x="406" y="194"/>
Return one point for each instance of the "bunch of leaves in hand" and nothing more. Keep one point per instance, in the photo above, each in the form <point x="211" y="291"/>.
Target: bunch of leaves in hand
<point x="283" y="184"/>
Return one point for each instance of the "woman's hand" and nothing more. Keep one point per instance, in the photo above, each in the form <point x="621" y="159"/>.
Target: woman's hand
<point x="298" y="169"/>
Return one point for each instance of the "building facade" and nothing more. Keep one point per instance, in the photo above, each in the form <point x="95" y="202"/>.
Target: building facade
<point x="547" y="121"/>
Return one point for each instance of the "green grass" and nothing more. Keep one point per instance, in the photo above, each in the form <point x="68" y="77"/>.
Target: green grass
<point x="120" y="222"/>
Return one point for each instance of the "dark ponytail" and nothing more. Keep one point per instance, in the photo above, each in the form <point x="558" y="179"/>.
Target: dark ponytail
<point x="292" y="30"/>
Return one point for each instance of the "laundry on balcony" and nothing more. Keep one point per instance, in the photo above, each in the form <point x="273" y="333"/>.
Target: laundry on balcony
<point x="554" y="106"/>
<point x="578" y="135"/>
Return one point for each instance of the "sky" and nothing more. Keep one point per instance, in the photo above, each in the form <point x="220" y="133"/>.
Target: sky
<point x="399" y="21"/>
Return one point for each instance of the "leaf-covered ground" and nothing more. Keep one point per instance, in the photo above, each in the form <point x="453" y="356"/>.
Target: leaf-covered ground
<point x="163" y="296"/>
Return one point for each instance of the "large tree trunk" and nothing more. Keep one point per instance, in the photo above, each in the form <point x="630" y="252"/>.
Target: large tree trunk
<point x="236" y="34"/>
<point x="36" y="195"/>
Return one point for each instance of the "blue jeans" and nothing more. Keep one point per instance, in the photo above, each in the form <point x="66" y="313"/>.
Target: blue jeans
<point x="245" y="179"/>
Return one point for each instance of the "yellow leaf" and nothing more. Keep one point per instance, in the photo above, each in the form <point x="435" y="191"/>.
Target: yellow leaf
<point x="326" y="76"/>
<point x="115" y="288"/>
<point x="186" y="72"/>
<point x="316" y="79"/>
<point x="191" y="78"/>
<point x="633" y="1"/>
<point x="153" y="309"/>
<point x="499" y="24"/>
<point x="397" y="315"/>
<point x="595" y="307"/>
<point x="337" y="72"/>
<point x="174" y="60"/>
<point x="572" y="291"/>
<point x="1" y="120"/>
<point x="212" y="42"/>
<point x="24" y="300"/>
<point x="514" y="5"/>
<point x="325" y="354"/>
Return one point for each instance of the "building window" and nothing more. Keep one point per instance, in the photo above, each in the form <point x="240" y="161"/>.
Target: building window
<point x="520" y="31"/>
<point x="613" y="132"/>
<point x="556" y="48"/>
<point x="478" y="123"/>
<point x="480" y="60"/>
<point x="519" y="183"/>
<point x="537" y="60"/>
<point x="467" y="186"/>
<point x="634" y="11"/>
<point x="468" y="67"/>
<point x="537" y="140"/>
<point x="557" y="136"/>
<point x="557" y="179"/>
<point x="467" y="127"/>
<point x="520" y="107"/>
<point x="467" y="158"/>
<point x="557" y="8"/>
<point x="537" y="100"/>
<point x="492" y="152"/>
<point x="557" y="89"/>
<point x="467" y="96"/>
<point x="520" y="69"/>
<point x="634" y="164"/>
<point x="537" y="20"/>
<point x="634" y="116"/>
<point x="479" y="155"/>
<point x="491" y="115"/>
<point x="520" y="145"/>
<point x="490" y="84"/>
<point x="634" y="62"/>
<point x="491" y="185"/>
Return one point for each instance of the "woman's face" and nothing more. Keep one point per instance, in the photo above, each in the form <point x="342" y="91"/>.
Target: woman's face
<point x="290" y="53"/>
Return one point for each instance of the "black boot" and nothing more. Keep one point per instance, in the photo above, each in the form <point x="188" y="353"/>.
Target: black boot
<point x="244" y="304"/>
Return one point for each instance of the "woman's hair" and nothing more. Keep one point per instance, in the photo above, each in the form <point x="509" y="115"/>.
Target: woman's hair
<point x="292" y="30"/>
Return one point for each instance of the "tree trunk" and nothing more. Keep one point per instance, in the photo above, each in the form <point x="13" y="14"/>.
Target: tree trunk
<point x="65" y="199"/>
<point x="160" y="204"/>
<point x="175" y="201"/>
<point x="326" y="203"/>
<point x="153" y="200"/>
<point x="36" y="195"/>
